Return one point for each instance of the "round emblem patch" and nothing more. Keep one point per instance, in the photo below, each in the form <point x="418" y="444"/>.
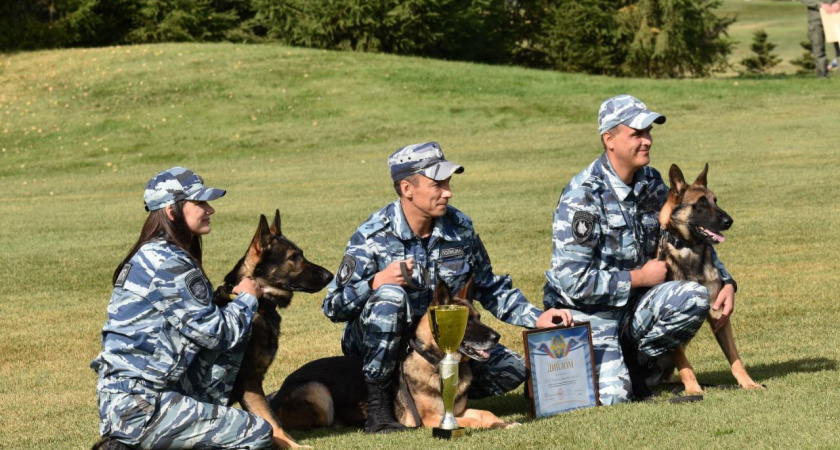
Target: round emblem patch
<point x="345" y="270"/>
<point x="197" y="287"/>
<point x="582" y="225"/>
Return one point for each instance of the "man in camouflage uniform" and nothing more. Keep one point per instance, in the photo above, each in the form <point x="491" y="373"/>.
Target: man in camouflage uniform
<point x="816" y="33"/>
<point x="436" y="242"/>
<point x="604" y="239"/>
<point x="169" y="355"/>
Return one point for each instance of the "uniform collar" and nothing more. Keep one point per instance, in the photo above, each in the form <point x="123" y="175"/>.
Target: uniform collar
<point x="619" y="188"/>
<point x="442" y="229"/>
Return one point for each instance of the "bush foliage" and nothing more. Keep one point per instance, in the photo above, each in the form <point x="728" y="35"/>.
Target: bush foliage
<point x="655" y="38"/>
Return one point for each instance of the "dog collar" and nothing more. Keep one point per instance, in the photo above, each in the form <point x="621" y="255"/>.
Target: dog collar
<point x="673" y="240"/>
<point x="414" y="344"/>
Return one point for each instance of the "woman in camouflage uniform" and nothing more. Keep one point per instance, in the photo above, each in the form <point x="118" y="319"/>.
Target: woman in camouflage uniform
<point x="169" y="355"/>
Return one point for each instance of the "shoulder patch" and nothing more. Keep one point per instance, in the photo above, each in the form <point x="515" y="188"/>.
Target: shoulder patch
<point x="345" y="270"/>
<point x="197" y="286"/>
<point x="582" y="225"/>
<point x="123" y="275"/>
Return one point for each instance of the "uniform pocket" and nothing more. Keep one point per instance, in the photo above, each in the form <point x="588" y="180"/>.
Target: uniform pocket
<point x="126" y="415"/>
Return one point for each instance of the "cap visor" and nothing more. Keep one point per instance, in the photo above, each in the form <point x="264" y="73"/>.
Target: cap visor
<point x="207" y="194"/>
<point x="645" y="119"/>
<point x="442" y="170"/>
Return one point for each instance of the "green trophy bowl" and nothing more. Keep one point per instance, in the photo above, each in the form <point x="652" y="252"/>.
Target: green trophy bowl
<point x="449" y="322"/>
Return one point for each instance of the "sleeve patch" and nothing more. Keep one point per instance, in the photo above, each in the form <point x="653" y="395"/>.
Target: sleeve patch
<point x="123" y="275"/>
<point x="198" y="287"/>
<point x="582" y="225"/>
<point x="345" y="270"/>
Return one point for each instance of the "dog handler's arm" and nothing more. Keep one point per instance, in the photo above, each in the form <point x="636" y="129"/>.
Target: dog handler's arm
<point x="725" y="300"/>
<point x="184" y="297"/>
<point x="575" y="275"/>
<point x="350" y="289"/>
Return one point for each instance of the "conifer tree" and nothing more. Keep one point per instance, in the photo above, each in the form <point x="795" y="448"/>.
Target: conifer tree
<point x="763" y="58"/>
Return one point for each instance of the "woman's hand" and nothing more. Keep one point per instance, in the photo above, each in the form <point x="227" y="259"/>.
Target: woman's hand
<point x="250" y="286"/>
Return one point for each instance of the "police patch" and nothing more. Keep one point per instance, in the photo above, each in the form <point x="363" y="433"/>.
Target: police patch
<point x="451" y="252"/>
<point x="582" y="225"/>
<point x="123" y="275"/>
<point x="197" y="286"/>
<point x="649" y="204"/>
<point x="345" y="270"/>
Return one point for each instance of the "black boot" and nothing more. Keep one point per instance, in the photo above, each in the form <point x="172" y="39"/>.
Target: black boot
<point x="638" y="364"/>
<point x="380" y="408"/>
<point x="106" y="443"/>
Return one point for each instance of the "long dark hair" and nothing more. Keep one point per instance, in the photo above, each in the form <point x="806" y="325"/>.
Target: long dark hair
<point x="174" y="231"/>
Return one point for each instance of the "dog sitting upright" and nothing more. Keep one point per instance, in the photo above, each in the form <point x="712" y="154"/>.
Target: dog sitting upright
<point x="331" y="391"/>
<point x="692" y="223"/>
<point x="280" y="268"/>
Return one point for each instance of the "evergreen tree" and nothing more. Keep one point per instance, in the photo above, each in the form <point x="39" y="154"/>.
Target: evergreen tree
<point x="806" y="60"/>
<point x="764" y="59"/>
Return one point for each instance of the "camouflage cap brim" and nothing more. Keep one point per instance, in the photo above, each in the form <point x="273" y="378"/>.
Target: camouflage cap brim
<point x="442" y="170"/>
<point x="206" y="194"/>
<point x="644" y="120"/>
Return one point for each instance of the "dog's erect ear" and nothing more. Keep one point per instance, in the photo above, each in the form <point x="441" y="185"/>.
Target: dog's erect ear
<point x="701" y="179"/>
<point x="468" y="291"/>
<point x="262" y="237"/>
<point x="442" y="295"/>
<point x="275" y="226"/>
<point x="675" y="176"/>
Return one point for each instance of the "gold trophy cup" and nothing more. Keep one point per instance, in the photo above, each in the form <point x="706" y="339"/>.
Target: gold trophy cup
<point x="449" y="322"/>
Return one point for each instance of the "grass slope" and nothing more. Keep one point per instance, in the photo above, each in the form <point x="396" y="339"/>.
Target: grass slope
<point x="308" y="132"/>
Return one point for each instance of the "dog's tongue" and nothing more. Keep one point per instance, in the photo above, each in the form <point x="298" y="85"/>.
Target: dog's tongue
<point x="717" y="237"/>
<point x="483" y="354"/>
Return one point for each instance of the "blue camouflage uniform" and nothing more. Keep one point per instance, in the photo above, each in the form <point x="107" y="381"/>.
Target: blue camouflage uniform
<point x="602" y="230"/>
<point x="170" y="357"/>
<point x="377" y="319"/>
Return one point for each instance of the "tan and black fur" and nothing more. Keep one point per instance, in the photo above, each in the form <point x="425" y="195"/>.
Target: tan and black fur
<point x="280" y="268"/>
<point x="331" y="391"/>
<point x="691" y="215"/>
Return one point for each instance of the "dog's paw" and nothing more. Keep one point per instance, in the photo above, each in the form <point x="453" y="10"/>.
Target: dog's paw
<point x="506" y="425"/>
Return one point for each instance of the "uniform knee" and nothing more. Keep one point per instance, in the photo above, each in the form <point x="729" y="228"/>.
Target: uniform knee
<point x="696" y="299"/>
<point x="385" y="311"/>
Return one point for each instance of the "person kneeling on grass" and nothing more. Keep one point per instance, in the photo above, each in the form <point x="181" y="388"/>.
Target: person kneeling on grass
<point x="435" y="242"/>
<point x="169" y="354"/>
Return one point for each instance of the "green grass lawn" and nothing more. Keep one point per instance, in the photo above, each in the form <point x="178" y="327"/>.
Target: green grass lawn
<point x="81" y="131"/>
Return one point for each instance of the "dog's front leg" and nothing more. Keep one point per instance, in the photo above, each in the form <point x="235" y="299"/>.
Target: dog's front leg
<point x="726" y="339"/>
<point x="689" y="380"/>
<point x="253" y="400"/>
<point x="478" y="418"/>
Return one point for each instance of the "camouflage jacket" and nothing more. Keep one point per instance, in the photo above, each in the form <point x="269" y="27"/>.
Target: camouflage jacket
<point x="162" y="322"/>
<point x="602" y="230"/>
<point x="454" y="251"/>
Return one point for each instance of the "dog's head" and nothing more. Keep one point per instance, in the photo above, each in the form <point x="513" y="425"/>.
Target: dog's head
<point x="479" y="339"/>
<point x="691" y="211"/>
<point x="279" y="266"/>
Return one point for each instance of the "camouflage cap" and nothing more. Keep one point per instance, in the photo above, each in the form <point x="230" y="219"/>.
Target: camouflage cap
<point x="426" y="158"/>
<point x="628" y="110"/>
<point x="176" y="184"/>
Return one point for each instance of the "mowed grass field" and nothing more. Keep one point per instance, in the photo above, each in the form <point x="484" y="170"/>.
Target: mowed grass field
<point x="308" y="132"/>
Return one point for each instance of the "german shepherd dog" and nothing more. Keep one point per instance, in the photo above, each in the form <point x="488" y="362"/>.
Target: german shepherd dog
<point x="691" y="223"/>
<point x="280" y="268"/>
<point x="331" y="391"/>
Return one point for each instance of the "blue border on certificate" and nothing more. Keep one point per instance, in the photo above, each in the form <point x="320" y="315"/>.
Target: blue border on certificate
<point x="561" y="369"/>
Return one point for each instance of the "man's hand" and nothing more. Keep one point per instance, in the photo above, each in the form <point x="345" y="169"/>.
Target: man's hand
<point x="554" y="316"/>
<point x="725" y="300"/>
<point x="392" y="274"/>
<point x="834" y="8"/>
<point x="651" y="274"/>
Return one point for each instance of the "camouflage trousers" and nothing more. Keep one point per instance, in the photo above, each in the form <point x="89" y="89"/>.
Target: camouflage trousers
<point x="665" y="317"/>
<point x="817" y="37"/>
<point x="377" y="334"/>
<point x="144" y="418"/>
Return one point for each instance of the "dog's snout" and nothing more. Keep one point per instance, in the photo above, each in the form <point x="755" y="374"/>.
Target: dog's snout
<point x="725" y="221"/>
<point x="326" y="276"/>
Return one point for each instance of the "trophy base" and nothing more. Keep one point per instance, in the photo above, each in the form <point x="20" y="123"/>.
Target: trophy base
<point x="440" y="433"/>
